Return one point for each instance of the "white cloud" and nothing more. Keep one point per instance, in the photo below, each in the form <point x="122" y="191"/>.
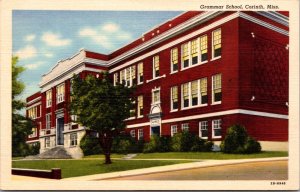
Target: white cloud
<point x="55" y="40"/>
<point x="48" y="55"/>
<point x="105" y="35"/>
<point x="27" y="52"/>
<point x="110" y="27"/>
<point x="34" y="65"/>
<point x="29" y="38"/>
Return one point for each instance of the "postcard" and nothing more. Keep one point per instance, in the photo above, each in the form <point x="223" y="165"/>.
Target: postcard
<point x="149" y="95"/>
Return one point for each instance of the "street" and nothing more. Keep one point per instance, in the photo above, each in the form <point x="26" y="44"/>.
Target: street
<point x="269" y="170"/>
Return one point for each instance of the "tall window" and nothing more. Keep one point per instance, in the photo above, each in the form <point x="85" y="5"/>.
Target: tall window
<point x="185" y="95"/>
<point x="194" y="50"/>
<point x="48" y="121"/>
<point x="127" y="76"/>
<point x="203" y="90"/>
<point x="60" y="93"/>
<point x="34" y="132"/>
<point x="203" y="129"/>
<point x="122" y="76"/>
<point x="185" y="127"/>
<point x="49" y="98"/>
<point x="73" y="139"/>
<point x="203" y="48"/>
<point x="116" y="78"/>
<point x="32" y="112"/>
<point x="140" y="106"/>
<point x="155" y="66"/>
<point x="217" y="43"/>
<point x="132" y="133"/>
<point x="194" y="86"/>
<point x="217" y="88"/>
<point x="185" y="55"/>
<point x="155" y="96"/>
<point x="174" y="60"/>
<point x="140" y="134"/>
<point x="133" y="111"/>
<point x="173" y="130"/>
<point x="216" y="129"/>
<point x="133" y="76"/>
<point x="140" y="73"/>
<point x="174" y="98"/>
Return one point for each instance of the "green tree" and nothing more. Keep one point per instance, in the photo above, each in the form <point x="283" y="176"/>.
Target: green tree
<point x="102" y="107"/>
<point x="21" y="126"/>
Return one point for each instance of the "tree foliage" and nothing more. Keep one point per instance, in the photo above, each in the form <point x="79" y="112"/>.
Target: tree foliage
<point x="102" y="107"/>
<point x="21" y="126"/>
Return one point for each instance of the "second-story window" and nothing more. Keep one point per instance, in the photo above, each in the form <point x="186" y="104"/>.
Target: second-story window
<point x="203" y="48"/>
<point x="217" y="88"/>
<point x="48" y="121"/>
<point x="49" y="98"/>
<point x="32" y="112"/>
<point x="203" y="90"/>
<point x="116" y="78"/>
<point x="132" y="110"/>
<point x="185" y="55"/>
<point x="133" y="76"/>
<point x="140" y="106"/>
<point x="127" y="77"/>
<point x="155" y="96"/>
<point x="174" y="60"/>
<point x="140" y="73"/>
<point x="155" y="66"/>
<point x="60" y="93"/>
<point x="216" y="43"/>
<point x="194" y="51"/>
<point x="194" y="92"/>
<point x="174" y="98"/>
<point x="185" y="95"/>
<point x="122" y="76"/>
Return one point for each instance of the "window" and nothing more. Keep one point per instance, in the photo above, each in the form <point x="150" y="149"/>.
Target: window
<point x="133" y="76"/>
<point x="49" y="98"/>
<point x="203" y="48"/>
<point x="73" y="118"/>
<point x="116" y="76"/>
<point x="127" y="76"/>
<point x="132" y="133"/>
<point x="174" y="60"/>
<point x="185" y="127"/>
<point x="216" y="89"/>
<point x="194" y="50"/>
<point x="34" y="132"/>
<point x="132" y="110"/>
<point x="194" y="87"/>
<point x="203" y="90"/>
<point x="140" y="73"/>
<point x="174" y="98"/>
<point x="122" y="76"/>
<point x="60" y="93"/>
<point x="155" y="66"/>
<point x="216" y="43"/>
<point x="140" y="134"/>
<point x="48" y="121"/>
<point x="140" y="106"/>
<point x="32" y="112"/>
<point x="73" y="139"/>
<point x="216" y="129"/>
<point x="47" y="142"/>
<point x="185" y="95"/>
<point x="185" y="55"/>
<point x="203" y="131"/>
<point x="173" y="130"/>
<point x="155" y="96"/>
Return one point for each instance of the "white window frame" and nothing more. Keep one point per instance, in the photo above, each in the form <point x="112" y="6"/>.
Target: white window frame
<point x="174" y="130"/>
<point x="201" y="125"/>
<point x="116" y="76"/>
<point x="132" y="133"/>
<point x="48" y="121"/>
<point x="140" y="134"/>
<point x="153" y="67"/>
<point x="200" y="44"/>
<point x="216" y="122"/>
<point x="49" y="101"/>
<point x="189" y="95"/>
<point x="73" y="139"/>
<point x="139" y="115"/>
<point x="140" y="65"/>
<point x="212" y="45"/>
<point x="171" y="60"/>
<point x="185" y="126"/>
<point x="60" y="97"/>
<point x="212" y="90"/>
<point x="171" y="99"/>
<point x="153" y="91"/>
<point x="200" y="93"/>
<point x="198" y="51"/>
<point x="32" y="112"/>
<point x="189" y="55"/>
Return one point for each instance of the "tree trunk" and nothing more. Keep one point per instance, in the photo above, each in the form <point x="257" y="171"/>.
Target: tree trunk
<point x="107" y="158"/>
<point x="106" y="144"/>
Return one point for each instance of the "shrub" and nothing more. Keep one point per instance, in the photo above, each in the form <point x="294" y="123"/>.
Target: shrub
<point x="176" y="142"/>
<point x="34" y="149"/>
<point x="137" y="146"/>
<point x="201" y="145"/>
<point x="238" y="141"/>
<point x="90" y="145"/>
<point x="164" y="144"/>
<point x="153" y="145"/>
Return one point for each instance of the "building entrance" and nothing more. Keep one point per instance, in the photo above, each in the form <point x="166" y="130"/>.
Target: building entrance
<point x="60" y="129"/>
<point x="155" y="130"/>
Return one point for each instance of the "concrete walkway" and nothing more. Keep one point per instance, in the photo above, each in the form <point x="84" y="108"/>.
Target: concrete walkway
<point x="176" y="167"/>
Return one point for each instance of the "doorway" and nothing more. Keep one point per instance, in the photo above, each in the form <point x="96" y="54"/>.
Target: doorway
<point x="60" y="129"/>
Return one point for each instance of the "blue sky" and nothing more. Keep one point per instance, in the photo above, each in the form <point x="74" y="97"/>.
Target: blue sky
<point x="41" y="38"/>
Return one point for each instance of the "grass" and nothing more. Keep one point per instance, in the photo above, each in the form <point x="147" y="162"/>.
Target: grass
<point x="209" y="155"/>
<point x="73" y="168"/>
<point x="102" y="156"/>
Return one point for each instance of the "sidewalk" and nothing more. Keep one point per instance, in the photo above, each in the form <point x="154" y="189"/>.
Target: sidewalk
<point x="176" y="167"/>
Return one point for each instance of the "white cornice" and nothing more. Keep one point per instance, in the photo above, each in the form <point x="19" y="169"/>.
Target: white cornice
<point x="36" y="104"/>
<point x="34" y="100"/>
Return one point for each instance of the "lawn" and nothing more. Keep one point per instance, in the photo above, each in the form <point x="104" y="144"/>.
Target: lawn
<point x="113" y="156"/>
<point x="209" y="155"/>
<point x="73" y="168"/>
